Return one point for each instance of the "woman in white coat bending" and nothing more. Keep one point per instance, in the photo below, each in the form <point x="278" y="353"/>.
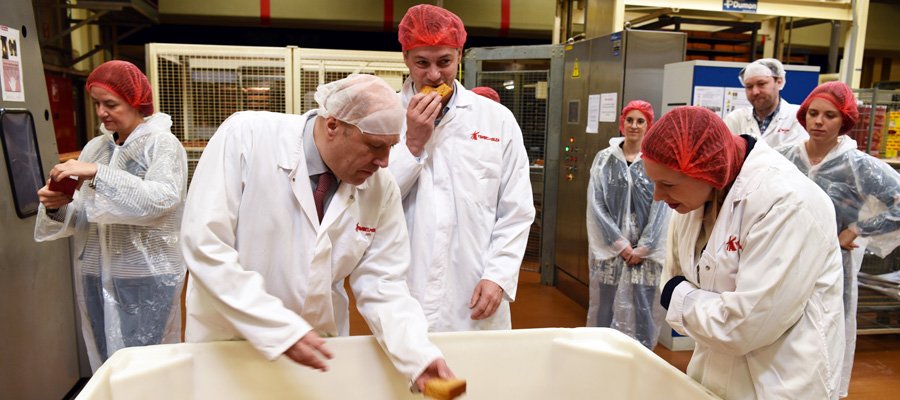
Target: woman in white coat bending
<point x="125" y="218"/>
<point x="865" y="190"/>
<point x="626" y="231"/>
<point x="755" y="272"/>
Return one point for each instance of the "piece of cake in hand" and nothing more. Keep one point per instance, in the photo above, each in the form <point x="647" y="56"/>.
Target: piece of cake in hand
<point x="444" y="389"/>
<point x="444" y="90"/>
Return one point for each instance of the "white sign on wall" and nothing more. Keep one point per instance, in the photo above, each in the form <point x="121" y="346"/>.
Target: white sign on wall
<point x="744" y="6"/>
<point x="11" y="70"/>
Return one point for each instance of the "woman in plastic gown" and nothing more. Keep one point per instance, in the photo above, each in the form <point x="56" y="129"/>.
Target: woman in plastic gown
<point x="124" y="218"/>
<point x="865" y="191"/>
<point x="626" y="231"/>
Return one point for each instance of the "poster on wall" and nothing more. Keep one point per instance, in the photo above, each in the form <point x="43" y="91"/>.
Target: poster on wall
<point x="710" y="97"/>
<point x="11" y="71"/>
<point x="608" y="103"/>
<point x="593" y="119"/>
<point x="735" y="98"/>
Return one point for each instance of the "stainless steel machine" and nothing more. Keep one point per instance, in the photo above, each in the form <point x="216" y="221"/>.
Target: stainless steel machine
<point x="38" y="338"/>
<point x="529" y="82"/>
<point x="601" y="76"/>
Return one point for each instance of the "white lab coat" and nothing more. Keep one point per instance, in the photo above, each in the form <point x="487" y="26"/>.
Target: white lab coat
<point x="469" y="208"/>
<point x="763" y="301"/>
<point x="866" y="195"/>
<point x="784" y="128"/>
<point x="264" y="269"/>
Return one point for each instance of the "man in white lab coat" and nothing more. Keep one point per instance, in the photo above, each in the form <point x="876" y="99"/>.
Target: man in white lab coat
<point x="771" y="118"/>
<point x="269" y="235"/>
<point x="464" y="174"/>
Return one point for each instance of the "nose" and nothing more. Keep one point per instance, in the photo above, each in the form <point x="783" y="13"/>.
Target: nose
<point x="433" y="74"/>
<point x="818" y="120"/>
<point x="381" y="159"/>
<point x="634" y="124"/>
<point x="657" y="194"/>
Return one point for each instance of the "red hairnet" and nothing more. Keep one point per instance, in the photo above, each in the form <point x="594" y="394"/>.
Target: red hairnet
<point x="695" y="142"/>
<point x="428" y="25"/>
<point x="126" y="81"/>
<point x="640" y="105"/>
<point x="487" y="92"/>
<point x="839" y="94"/>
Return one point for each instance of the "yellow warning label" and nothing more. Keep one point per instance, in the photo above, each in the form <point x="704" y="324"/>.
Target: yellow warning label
<point x="575" y="72"/>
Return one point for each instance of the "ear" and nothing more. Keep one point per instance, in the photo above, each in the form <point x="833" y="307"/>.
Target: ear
<point x="331" y="127"/>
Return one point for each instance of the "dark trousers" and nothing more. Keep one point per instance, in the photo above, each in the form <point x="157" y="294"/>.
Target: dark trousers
<point x="642" y="302"/>
<point x="143" y="305"/>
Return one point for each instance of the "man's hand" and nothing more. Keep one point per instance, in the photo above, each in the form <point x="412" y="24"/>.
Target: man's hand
<point x="846" y="237"/>
<point x="437" y="369"/>
<point x="420" y="115"/>
<point x="486" y="299"/>
<point x="304" y="351"/>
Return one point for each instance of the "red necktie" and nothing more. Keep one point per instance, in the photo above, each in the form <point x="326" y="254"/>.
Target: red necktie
<point x="325" y="181"/>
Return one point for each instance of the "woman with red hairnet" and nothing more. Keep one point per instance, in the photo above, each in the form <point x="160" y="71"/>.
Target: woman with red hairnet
<point x="124" y="218"/>
<point x="865" y="191"/>
<point x="753" y="272"/>
<point x="625" y="233"/>
<point x="488" y="92"/>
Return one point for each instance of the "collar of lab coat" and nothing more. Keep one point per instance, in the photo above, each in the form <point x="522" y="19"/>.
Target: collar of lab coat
<point x="158" y="122"/>
<point x="845" y="144"/>
<point x="291" y="151"/>
<point x="753" y="171"/>
<point x="314" y="163"/>
<point x="615" y="144"/>
<point x="291" y="158"/>
<point x="783" y="111"/>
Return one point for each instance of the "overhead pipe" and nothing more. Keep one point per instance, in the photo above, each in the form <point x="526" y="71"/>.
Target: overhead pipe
<point x="834" y="47"/>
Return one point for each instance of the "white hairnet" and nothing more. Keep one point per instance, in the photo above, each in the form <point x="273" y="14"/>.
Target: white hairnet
<point x="365" y="101"/>
<point x="764" y="67"/>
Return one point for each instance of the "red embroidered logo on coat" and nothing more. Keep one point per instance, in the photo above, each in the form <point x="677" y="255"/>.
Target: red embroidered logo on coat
<point x="784" y="130"/>
<point x="477" y="135"/>
<point x="733" y="244"/>
<point x="364" y="229"/>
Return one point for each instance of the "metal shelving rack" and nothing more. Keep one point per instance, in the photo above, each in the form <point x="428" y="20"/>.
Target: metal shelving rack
<point x="871" y="133"/>
<point x="878" y="310"/>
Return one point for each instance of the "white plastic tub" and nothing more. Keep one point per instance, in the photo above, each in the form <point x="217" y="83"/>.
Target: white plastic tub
<point x="581" y="363"/>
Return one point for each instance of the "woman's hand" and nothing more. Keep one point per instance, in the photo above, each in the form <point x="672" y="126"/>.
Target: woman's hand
<point x="846" y="237"/>
<point x="79" y="169"/>
<point x="50" y="199"/>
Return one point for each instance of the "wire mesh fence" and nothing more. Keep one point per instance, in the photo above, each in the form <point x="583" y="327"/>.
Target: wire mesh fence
<point x="525" y="94"/>
<point x="200" y="86"/>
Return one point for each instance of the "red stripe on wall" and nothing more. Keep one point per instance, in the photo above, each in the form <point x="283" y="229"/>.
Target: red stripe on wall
<point x="388" y="15"/>
<point x="504" y="18"/>
<point x="265" y="12"/>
